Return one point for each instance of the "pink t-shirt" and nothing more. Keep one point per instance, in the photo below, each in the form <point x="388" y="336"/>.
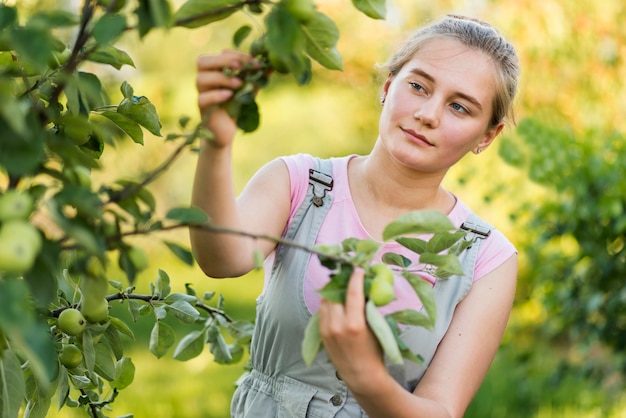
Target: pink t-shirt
<point x="342" y="221"/>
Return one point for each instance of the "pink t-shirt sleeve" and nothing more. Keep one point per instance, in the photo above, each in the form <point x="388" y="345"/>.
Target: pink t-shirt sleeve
<point x="298" y="166"/>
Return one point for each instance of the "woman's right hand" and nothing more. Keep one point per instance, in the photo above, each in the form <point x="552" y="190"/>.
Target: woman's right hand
<point x="214" y="89"/>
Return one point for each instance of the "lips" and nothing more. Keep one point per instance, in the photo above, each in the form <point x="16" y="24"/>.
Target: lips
<point x="416" y="138"/>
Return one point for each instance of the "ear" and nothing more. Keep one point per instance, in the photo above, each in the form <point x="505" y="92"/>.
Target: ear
<point x="386" y="85"/>
<point x="488" y="137"/>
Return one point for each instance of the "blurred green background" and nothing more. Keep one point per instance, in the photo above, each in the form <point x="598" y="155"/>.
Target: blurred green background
<point x="573" y="67"/>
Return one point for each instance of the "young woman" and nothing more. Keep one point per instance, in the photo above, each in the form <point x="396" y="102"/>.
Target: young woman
<point x="448" y="92"/>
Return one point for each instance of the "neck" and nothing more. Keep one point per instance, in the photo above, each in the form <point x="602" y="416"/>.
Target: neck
<point x="399" y="188"/>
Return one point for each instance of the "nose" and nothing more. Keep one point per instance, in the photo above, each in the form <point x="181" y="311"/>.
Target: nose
<point x="428" y="112"/>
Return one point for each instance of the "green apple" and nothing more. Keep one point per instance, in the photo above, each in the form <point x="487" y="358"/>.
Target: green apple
<point x="71" y="356"/>
<point x="72" y="322"/>
<point x="94" y="310"/>
<point x="381" y="292"/>
<point x="20" y="242"/>
<point x="15" y="204"/>
<point x="302" y="10"/>
<point x="138" y="257"/>
<point x="383" y="271"/>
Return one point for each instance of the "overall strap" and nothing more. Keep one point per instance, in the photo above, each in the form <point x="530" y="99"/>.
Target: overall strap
<point x="448" y="293"/>
<point x="315" y="205"/>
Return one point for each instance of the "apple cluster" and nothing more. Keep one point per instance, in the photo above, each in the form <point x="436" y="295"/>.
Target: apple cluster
<point x="381" y="289"/>
<point x="20" y="241"/>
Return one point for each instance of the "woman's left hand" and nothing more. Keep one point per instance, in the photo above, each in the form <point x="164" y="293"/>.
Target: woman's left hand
<point x="351" y="346"/>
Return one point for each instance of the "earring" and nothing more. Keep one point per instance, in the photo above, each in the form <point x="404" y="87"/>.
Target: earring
<point x="479" y="150"/>
<point x="382" y="100"/>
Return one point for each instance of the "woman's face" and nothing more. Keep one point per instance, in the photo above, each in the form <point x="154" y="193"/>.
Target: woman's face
<point x="438" y="107"/>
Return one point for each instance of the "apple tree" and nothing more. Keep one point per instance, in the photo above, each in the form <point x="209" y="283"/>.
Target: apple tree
<point x="61" y="237"/>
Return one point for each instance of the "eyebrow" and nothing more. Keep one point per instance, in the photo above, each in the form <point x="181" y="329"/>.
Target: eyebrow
<point x="471" y="99"/>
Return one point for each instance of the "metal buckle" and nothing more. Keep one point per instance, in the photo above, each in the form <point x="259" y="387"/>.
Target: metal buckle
<point x="321" y="179"/>
<point x="476" y="229"/>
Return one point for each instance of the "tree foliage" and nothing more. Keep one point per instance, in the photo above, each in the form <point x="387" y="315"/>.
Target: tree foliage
<point x="577" y="257"/>
<point x="60" y="236"/>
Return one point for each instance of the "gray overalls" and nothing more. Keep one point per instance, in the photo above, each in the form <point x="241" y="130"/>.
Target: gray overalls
<point x="280" y="385"/>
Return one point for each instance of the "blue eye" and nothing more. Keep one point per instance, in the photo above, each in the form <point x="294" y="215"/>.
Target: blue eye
<point x="416" y="86"/>
<point x="459" y="108"/>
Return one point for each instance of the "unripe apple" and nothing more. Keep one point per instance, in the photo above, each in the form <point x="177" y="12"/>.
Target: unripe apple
<point x="138" y="257"/>
<point x="71" y="356"/>
<point x="383" y="271"/>
<point x="94" y="310"/>
<point x="71" y="322"/>
<point x="15" y="204"/>
<point x="381" y="292"/>
<point x="20" y="242"/>
<point x="302" y="10"/>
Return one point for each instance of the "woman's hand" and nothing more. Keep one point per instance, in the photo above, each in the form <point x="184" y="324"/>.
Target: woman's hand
<point x="351" y="346"/>
<point x="215" y="88"/>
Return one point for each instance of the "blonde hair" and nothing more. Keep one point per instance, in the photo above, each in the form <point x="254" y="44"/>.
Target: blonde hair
<point x="476" y="34"/>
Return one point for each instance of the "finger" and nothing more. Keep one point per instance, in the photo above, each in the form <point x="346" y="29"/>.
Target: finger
<point x="355" y="296"/>
<point x="227" y="58"/>
<point x="207" y="100"/>
<point x="209" y="80"/>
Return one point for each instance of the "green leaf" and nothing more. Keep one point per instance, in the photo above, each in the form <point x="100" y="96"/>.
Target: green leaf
<point x="443" y="240"/>
<point x="8" y="16"/>
<point x="182" y="253"/>
<point x="109" y="28"/>
<point x="184" y="311"/>
<point x="37" y="407"/>
<point x="112" y="338"/>
<point x="29" y="336"/>
<point x="321" y="36"/>
<point x="425" y="293"/>
<point x="383" y="332"/>
<point x="190" y="346"/>
<point x="446" y="263"/>
<point x="220" y="350"/>
<point x="396" y="259"/>
<point x="196" y="13"/>
<point x="141" y="111"/>
<point x="20" y="154"/>
<point x="124" y="373"/>
<point x="34" y="45"/>
<point x="173" y="297"/>
<point x="418" y="222"/>
<point x="241" y="34"/>
<point x="160" y="12"/>
<point x="105" y="365"/>
<point x="162" y="338"/>
<point x="413" y="317"/>
<point x="248" y="117"/>
<point x="122" y="327"/>
<point x="312" y="342"/>
<point x="12" y="385"/>
<point x="376" y="9"/>
<point x="163" y="287"/>
<point x="129" y="126"/>
<point x="416" y="245"/>
<point x="53" y="18"/>
<point x="84" y="93"/>
<point x="187" y="215"/>
<point x="108" y="54"/>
